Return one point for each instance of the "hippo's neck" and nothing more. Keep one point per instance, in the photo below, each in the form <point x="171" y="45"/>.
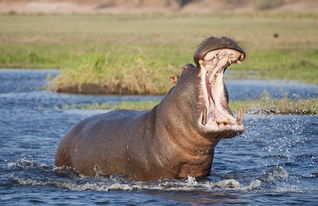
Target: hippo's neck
<point x="184" y="149"/>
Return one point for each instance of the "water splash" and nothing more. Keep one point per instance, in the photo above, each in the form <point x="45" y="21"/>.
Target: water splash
<point x="275" y="173"/>
<point x="65" y="177"/>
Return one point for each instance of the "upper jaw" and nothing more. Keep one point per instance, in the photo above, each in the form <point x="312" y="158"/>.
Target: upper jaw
<point x="214" y="115"/>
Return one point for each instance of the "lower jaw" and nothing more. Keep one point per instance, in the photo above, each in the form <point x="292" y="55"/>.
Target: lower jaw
<point x="216" y="118"/>
<point x="219" y="129"/>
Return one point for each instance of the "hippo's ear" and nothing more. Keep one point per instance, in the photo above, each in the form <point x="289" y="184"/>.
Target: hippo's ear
<point x="174" y="78"/>
<point x="188" y="66"/>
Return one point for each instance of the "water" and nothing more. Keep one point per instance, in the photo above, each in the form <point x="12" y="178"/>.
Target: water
<point x="274" y="162"/>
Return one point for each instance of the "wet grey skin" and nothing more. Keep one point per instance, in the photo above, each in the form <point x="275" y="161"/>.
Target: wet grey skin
<point x="175" y="139"/>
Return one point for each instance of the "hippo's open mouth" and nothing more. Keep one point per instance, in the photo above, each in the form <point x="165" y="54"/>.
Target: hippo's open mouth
<point x="214" y="112"/>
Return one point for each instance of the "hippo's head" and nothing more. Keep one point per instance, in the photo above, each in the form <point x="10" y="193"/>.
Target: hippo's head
<point x="214" y="116"/>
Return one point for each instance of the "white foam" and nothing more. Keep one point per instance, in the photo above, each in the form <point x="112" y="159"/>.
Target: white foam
<point x="11" y="164"/>
<point x="66" y="177"/>
<point x="23" y="164"/>
<point x="192" y="180"/>
<point x="276" y="173"/>
<point x="109" y="184"/>
<point x="230" y="183"/>
<point x="289" y="188"/>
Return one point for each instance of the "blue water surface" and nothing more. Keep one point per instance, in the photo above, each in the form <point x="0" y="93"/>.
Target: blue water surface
<point x="273" y="163"/>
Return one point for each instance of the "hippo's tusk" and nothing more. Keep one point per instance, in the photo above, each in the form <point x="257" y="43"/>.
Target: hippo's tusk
<point x="240" y="116"/>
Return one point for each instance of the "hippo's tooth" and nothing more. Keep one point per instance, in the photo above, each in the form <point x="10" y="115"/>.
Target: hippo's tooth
<point x="240" y="116"/>
<point x="242" y="56"/>
<point x="203" y="116"/>
<point x="238" y="61"/>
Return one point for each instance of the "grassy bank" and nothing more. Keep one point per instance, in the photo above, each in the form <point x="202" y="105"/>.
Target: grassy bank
<point x="260" y="106"/>
<point x="136" y="54"/>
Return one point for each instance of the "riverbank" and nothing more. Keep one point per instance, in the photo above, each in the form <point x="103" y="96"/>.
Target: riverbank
<point x="261" y="106"/>
<point x="137" y="53"/>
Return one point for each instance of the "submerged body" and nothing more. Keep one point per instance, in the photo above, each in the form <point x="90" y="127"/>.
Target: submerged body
<point x="175" y="139"/>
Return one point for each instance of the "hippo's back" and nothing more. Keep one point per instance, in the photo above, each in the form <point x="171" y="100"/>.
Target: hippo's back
<point x="99" y="139"/>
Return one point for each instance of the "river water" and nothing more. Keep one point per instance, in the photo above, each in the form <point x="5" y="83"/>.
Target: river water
<point x="274" y="162"/>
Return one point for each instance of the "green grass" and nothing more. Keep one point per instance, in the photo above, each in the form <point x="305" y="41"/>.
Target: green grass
<point x="131" y="105"/>
<point x="136" y="54"/>
<point x="265" y="105"/>
<point x="277" y="106"/>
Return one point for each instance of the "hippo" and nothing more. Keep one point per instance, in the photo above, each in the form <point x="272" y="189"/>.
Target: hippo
<point x="175" y="139"/>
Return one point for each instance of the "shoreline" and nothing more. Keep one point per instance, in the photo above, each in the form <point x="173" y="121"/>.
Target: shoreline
<point x="136" y="54"/>
<point x="259" y="106"/>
